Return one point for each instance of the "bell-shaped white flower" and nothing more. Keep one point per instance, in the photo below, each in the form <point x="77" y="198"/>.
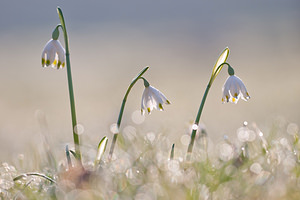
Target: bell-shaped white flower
<point x="53" y="54"/>
<point x="153" y="98"/>
<point x="234" y="89"/>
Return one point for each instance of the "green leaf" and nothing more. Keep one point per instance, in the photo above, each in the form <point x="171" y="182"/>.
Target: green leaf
<point x="68" y="156"/>
<point x="101" y="149"/>
<point x="172" y="152"/>
<point x="222" y="58"/>
<point x="74" y="154"/>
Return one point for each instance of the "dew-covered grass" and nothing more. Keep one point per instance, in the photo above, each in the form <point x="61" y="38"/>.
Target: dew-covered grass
<point x="250" y="165"/>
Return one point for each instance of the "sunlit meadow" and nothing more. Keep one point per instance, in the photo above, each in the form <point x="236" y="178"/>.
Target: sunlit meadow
<point x="186" y="127"/>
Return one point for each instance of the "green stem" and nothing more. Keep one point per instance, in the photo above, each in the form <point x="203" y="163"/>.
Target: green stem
<point x="71" y="93"/>
<point x="193" y="135"/>
<point x="214" y="75"/>
<point x="122" y="110"/>
<point x="194" y="131"/>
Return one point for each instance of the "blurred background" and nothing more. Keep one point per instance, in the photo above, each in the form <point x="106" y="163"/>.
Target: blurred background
<point x="112" y="41"/>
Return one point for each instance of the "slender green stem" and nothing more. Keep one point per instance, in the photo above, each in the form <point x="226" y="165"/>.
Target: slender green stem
<point x="193" y="135"/>
<point x="214" y="75"/>
<point x="122" y="110"/>
<point x="71" y="93"/>
<point x="194" y="131"/>
<point x="34" y="174"/>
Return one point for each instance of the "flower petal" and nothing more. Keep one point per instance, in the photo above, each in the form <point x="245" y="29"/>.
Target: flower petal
<point x="60" y="53"/>
<point x="234" y="89"/>
<point x="152" y="98"/>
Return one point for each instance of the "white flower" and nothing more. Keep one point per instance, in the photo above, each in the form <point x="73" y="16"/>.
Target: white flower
<point x="234" y="89"/>
<point x="53" y="54"/>
<point x="153" y="98"/>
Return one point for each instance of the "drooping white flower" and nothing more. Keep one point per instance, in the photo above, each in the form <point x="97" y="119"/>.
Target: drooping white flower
<point x="234" y="89"/>
<point x="153" y="98"/>
<point x="53" y="54"/>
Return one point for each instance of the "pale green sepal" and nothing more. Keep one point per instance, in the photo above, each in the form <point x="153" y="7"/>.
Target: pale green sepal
<point x="222" y="58"/>
<point x="146" y="83"/>
<point x="230" y="70"/>
<point x="55" y="33"/>
<point x="101" y="149"/>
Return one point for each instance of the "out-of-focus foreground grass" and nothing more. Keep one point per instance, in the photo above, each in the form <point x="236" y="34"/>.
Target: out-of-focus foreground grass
<point x="252" y="165"/>
<point x="111" y="42"/>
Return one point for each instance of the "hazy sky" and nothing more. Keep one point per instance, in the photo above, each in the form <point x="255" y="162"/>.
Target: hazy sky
<point x="111" y="41"/>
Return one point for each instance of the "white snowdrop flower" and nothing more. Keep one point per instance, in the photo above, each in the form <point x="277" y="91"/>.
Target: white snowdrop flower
<point x="234" y="89"/>
<point x="153" y="98"/>
<point x="53" y="54"/>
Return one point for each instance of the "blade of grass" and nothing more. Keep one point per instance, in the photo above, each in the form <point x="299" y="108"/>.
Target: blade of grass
<point x="100" y="151"/>
<point x="34" y="174"/>
<point x="172" y="152"/>
<point x="68" y="157"/>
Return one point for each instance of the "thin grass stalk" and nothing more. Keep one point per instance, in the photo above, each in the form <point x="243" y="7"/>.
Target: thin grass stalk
<point x="70" y="84"/>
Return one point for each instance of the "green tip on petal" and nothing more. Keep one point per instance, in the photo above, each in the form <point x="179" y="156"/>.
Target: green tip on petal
<point x="58" y="64"/>
<point x="43" y="62"/>
<point x="160" y="107"/>
<point x="47" y="62"/>
<point x="148" y="109"/>
<point x="168" y="102"/>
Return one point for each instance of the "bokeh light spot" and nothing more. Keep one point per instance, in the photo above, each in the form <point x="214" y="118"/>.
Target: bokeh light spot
<point x="256" y="168"/>
<point x="292" y="129"/>
<point x="185" y="139"/>
<point x="79" y="129"/>
<point x="194" y="127"/>
<point x="114" y="128"/>
<point x="137" y="117"/>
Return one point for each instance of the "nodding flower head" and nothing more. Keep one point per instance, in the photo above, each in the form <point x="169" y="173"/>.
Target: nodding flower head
<point x="53" y="54"/>
<point x="153" y="98"/>
<point x="234" y="89"/>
